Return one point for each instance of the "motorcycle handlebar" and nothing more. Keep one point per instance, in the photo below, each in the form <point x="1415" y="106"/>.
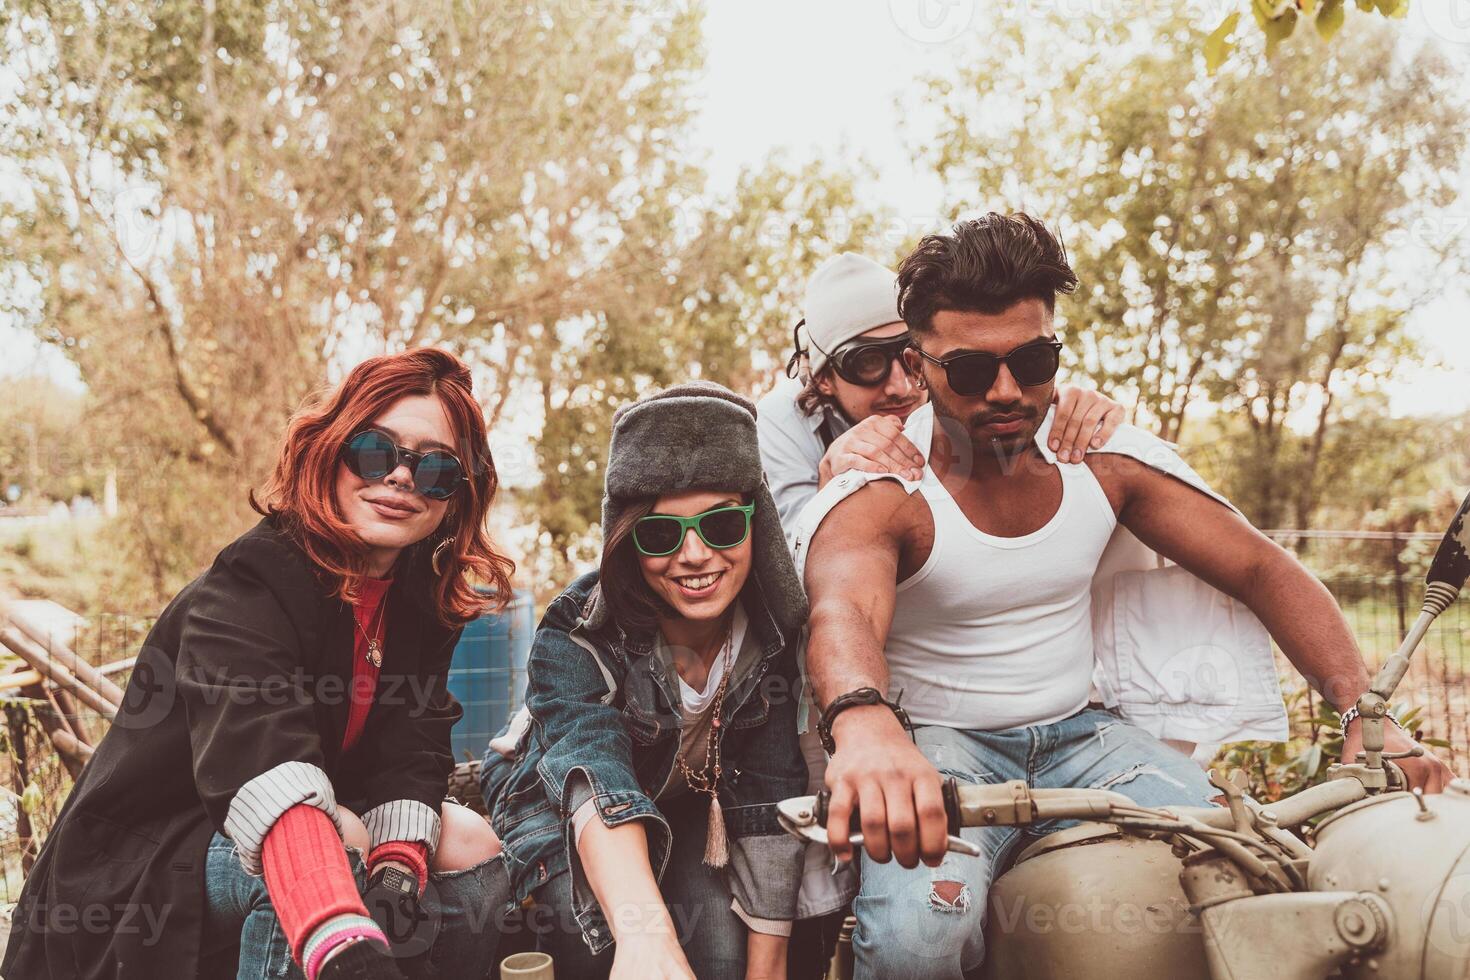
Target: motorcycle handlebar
<point x="1014" y="803"/>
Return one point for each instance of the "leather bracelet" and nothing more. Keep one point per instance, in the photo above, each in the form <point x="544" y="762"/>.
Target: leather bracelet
<point x="862" y="697"/>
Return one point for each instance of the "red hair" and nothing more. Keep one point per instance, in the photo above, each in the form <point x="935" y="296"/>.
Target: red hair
<point x="301" y="495"/>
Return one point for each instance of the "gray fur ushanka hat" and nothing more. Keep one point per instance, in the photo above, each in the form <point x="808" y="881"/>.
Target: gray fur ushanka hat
<point x="701" y="436"/>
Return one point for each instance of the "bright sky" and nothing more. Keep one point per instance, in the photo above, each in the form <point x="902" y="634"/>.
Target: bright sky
<point x="819" y="78"/>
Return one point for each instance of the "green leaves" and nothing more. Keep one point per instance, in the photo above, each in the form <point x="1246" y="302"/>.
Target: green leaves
<point x="1277" y="20"/>
<point x="1330" y="18"/>
<point x="1218" y="45"/>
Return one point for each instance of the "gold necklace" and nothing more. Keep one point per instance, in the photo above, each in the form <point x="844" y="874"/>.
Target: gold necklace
<point x="706" y="780"/>
<point x="374" y="653"/>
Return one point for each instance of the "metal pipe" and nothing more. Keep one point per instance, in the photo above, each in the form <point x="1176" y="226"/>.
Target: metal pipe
<point x="1319" y="799"/>
<point x="40" y="660"/>
<point x="1397" y="665"/>
<point x="24" y="678"/>
<point x="63" y="655"/>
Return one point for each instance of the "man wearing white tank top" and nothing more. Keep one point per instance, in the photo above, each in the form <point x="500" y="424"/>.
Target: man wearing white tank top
<point x="972" y="597"/>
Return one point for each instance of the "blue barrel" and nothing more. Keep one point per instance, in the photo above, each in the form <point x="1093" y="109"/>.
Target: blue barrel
<point x="487" y="674"/>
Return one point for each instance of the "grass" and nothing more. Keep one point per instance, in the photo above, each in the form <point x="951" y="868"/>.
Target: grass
<point x="1375" y="622"/>
<point x="61" y="560"/>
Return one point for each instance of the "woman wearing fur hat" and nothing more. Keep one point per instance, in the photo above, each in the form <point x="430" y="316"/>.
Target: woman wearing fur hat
<point x="640" y="805"/>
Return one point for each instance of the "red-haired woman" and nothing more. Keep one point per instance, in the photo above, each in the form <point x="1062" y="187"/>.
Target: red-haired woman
<point x="280" y="760"/>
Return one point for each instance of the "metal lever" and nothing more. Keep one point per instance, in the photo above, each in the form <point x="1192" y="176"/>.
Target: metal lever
<point x="806" y="817"/>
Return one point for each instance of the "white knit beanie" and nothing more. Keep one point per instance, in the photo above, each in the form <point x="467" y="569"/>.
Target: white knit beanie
<point x="848" y="295"/>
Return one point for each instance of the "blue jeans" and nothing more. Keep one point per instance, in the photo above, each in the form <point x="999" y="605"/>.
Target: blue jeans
<point x="697" y="896"/>
<point x="909" y="926"/>
<point x="238" y="912"/>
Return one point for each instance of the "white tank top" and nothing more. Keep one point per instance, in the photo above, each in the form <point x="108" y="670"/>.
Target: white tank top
<point x="994" y="633"/>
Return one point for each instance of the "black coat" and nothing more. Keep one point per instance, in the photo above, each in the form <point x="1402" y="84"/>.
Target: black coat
<point x="248" y="667"/>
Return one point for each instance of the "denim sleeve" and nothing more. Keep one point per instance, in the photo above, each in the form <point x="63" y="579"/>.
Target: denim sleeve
<point x="764" y="874"/>
<point x="579" y="732"/>
<point x="766" y="862"/>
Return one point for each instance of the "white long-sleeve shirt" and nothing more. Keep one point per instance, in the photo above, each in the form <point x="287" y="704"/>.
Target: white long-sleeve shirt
<point x="791" y="448"/>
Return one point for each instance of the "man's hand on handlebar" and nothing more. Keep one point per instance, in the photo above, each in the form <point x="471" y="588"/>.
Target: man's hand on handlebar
<point x="1426" y="772"/>
<point x="899" y="795"/>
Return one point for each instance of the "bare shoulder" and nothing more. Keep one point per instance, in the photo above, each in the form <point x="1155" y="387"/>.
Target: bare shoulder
<point x="1117" y="474"/>
<point x="882" y="509"/>
<point x="880" y="530"/>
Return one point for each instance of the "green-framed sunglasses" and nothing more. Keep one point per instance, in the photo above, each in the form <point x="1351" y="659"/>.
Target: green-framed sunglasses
<point x="663" y="534"/>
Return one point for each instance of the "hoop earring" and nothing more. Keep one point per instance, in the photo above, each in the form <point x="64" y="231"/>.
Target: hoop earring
<point x="438" y="554"/>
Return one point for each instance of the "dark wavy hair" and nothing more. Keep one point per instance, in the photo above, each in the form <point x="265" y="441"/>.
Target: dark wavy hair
<point x="631" y="601"/>
<point x="300" y="495"/>
<point x="985" y="265"/>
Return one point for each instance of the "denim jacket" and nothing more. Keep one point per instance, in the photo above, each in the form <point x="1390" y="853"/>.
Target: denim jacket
<point x="604" y="714"/>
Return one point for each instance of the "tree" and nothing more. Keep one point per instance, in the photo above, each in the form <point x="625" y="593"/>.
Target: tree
<point x="44" y="452"/>
<point x="222" y="203"/>
<point x="722" y="308"/>
<point x="1233" y="234"/>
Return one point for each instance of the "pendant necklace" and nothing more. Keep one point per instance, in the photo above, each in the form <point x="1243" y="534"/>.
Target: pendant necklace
<point x="374" y="653"/>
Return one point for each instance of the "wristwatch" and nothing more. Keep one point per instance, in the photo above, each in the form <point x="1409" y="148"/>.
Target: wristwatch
<point x="410" y="923"/>
<point x="852" y="699"/>
<point x="394" y="880"/>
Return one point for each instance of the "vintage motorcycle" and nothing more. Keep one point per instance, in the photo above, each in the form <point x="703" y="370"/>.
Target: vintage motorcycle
<point x="1382" y="890"/>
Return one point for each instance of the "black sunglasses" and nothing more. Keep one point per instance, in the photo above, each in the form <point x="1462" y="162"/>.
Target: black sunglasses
<point x="372" y="455"/>
<point x="974" y="372"/>
<point x="865" y="363"/>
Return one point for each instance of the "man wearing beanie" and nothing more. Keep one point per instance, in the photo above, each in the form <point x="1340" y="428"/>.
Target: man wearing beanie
<point x="848" y="395"/>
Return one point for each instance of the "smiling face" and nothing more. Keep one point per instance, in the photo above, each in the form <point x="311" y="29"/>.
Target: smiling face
<point x="897" y="395"/>
<point x="1004" y="419"/>
<point x="697" y="581"/>
<point x="387" y="513"/>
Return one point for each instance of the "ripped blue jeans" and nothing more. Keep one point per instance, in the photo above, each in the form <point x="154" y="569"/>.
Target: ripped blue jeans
<point x="929" y="922"/>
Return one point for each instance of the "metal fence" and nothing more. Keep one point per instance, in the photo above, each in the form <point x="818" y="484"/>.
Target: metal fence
<point x="1377" y="578"/>
<point x="34" y="782"/>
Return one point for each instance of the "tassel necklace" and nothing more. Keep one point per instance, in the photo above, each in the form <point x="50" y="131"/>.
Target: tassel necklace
<point x="707" y="779"/>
